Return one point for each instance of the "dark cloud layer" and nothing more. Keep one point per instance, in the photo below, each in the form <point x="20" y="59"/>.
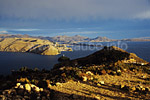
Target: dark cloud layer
<point x="75" y="9"/>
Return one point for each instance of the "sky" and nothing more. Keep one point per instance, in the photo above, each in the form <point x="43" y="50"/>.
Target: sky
<point x="115" y="19"/>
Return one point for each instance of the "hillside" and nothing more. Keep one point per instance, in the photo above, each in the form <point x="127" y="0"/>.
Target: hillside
<point x="78" y="38"/>
<point x="106" y="77"/>
<point x="108" y="55"/>
<point x="62" y="39"/>
<point x="138" y="39"/>
<point x="73" y="39"/>
<point x="32" y="45"/>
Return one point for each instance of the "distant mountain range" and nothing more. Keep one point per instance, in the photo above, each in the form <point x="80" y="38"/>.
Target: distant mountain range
<point x="73" y="39"/>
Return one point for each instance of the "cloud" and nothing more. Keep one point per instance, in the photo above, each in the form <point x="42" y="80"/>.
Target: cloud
<point x="74" y="9"/>
<point x="3" y="32"/>
<point x="144" y="15"/>
<point x="24" y="30"/>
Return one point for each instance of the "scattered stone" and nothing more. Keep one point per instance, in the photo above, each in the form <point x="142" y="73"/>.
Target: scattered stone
<point x="89" y="73"/>
<point x="90" y="78"/>
<point x="122" y="86"/>
<point x="118" y="71"/>
<point x="21" y="87"/>
<point x="28" y="87"/>
<point x="58" y="84"/>
<point x="98" y="84"/>
<point x="49" y="85"/>
<point x="103" y="72"/>
<point x="61" y="68"/>
<point x="32" y="85"/>
<point x="18" y="84"/>
<point x="26" y="98"/>
<point x="97" y="98"/>
<point x="84" y="78"/>
<point x="6" y="92"/>
<point x="41" y="89"/>
<point x="101" y="82"/>
<point x="144" y="76"/>
<point x="36" y="89"/>
<point x="125" y="70"/>
<point x="2" y="97"/>
<point x="143" y="89"/>
<point x="133" y="88"/>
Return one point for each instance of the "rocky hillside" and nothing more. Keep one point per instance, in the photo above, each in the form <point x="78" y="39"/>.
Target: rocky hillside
<point x="108" y="55"/>
<point x="32" y="45"/>
<point x="104" y="75"/>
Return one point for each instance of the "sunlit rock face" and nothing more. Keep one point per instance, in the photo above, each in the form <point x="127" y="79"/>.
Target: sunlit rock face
<point x="32" y="45"/>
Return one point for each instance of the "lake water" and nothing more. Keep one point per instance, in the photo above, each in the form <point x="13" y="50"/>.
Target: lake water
<point x="13" y="61"/>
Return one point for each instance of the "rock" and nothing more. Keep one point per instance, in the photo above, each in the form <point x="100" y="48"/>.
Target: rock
<point x="5" y="92"/>
<point x="26" y="97"/>
<point x="144" y="76"/>
<point x="101" y="82"/>
<point x="49" y="85"/>
<point x="32" y="85"/>
<point x="28" y="87"/>
<point x="113" y="73"/>
<point x="118" y="71"/>
<point x="2" y="97"/>
<point x="125" y="70"/>
<point x="133" y="88"/>
<point x="90" y="78"/>
<point x="103" y="72"/>
<point x="89" y="73"/>
<point x="36" y="89"/>
<point x="126" y="88"/>
<point x="122" y="86"/>
<point x="41" y="89"/>
<point x="58" y="84"/>
<point x="143" y="89"/>
<point x="98" y="84"/>
<point x="97" y="98"/>
<point x="84" y="78"/>
<point x="21" y="87"/>
<point x="18" y="84"/>
<point x="62" y="68"/>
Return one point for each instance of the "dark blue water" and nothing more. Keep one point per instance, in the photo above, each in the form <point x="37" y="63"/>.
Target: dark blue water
<point x="13" y="61"/>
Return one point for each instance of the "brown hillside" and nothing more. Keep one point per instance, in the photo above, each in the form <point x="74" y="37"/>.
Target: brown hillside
<point x="108" y="55"/>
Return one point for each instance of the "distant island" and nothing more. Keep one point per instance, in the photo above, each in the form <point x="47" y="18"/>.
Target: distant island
<point x="31" y="45"/>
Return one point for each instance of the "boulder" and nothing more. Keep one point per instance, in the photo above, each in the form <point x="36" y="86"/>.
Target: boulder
<point x="28" y="87"/>
<point x="101" y="82"/>
<point x="89" y="73"/>
<point x="21" y="87"/>
<point x="58" y="84"/>
<point x="84" y="78"/>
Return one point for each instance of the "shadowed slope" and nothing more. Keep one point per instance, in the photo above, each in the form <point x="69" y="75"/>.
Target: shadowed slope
<point x="107" y="55"/>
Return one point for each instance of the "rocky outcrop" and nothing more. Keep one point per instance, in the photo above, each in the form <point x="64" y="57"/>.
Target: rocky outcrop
<point x="32" y="45"/>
